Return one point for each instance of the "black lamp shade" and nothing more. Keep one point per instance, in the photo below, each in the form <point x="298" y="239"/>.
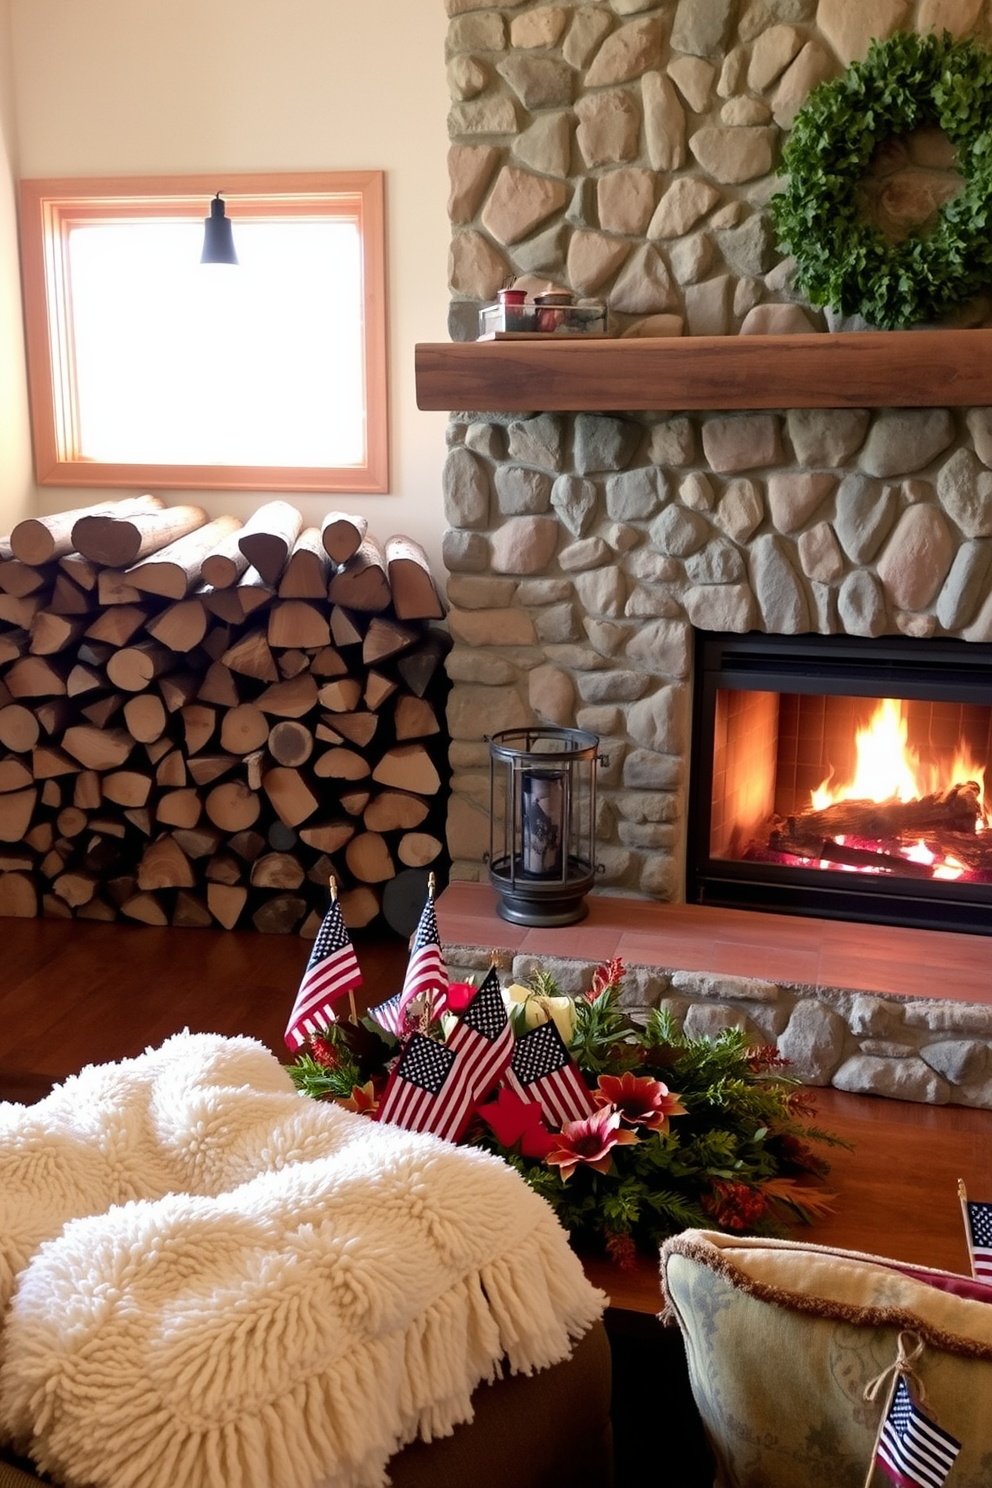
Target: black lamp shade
<point x="218" y="239"/>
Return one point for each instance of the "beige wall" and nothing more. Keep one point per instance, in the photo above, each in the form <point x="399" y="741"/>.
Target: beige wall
<point x="16" y="486"/>
<point x="122" y="86"/>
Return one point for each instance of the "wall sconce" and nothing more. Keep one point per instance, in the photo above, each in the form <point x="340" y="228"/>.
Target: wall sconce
<point x="218" y="239"/>
<point x="542" y="823"/>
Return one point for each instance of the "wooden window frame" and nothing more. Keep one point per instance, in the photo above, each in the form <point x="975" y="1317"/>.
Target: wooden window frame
<point x="49" y="209"/>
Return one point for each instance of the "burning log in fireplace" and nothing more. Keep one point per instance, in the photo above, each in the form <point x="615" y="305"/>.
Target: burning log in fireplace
<point x="946" y="823"/>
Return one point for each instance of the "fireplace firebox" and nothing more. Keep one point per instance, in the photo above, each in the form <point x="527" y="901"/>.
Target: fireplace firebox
<point x="843" y="777"/>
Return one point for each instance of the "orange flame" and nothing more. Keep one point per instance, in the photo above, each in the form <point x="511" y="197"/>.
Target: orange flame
<point x="888" y="769"/>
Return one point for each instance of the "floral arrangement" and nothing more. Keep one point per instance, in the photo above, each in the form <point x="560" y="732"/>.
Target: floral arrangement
<point x="681" y="1132"/>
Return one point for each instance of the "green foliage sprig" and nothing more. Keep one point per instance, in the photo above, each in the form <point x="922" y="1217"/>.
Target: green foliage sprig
<point x="904" y="82"/>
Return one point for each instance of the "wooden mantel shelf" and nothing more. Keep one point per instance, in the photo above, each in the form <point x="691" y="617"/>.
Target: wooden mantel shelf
<point x="871" y="369"/>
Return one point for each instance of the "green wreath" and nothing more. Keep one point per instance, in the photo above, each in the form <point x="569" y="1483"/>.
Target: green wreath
<point x="845" y="262"/>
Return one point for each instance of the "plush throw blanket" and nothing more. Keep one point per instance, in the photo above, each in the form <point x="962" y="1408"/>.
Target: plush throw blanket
<point x="210" y="1280"/>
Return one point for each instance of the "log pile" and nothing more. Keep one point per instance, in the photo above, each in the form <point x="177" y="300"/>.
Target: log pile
<point x="200" y="720"/>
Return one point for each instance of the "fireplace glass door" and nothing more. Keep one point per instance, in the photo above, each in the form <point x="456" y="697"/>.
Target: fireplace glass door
<point x="840" y="777"/>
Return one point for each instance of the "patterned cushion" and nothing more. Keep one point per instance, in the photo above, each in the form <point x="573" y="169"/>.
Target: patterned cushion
<point x="782" y="1338"/>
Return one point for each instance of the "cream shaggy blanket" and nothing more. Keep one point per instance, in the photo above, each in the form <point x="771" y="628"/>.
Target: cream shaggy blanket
<point x="210" y="1280"/>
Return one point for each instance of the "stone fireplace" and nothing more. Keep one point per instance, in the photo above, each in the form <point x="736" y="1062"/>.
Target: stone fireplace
<point x="865" y="527"/>
<point x="726" y="467"/>
<point x="627" y="151"/>
<point x="587" y="552"/>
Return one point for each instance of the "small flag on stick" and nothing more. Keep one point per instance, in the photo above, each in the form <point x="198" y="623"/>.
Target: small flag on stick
<point x="978" y="1233"/>
<point x="331" y="971"/>
<point x="483" y="1038"/>
<point x="912" y="1449"/>
<point x="426" y="1092"/>
<point x="426" y="974"/>
<point x="435" y="1087"/>
<point x="542" y="1070"/>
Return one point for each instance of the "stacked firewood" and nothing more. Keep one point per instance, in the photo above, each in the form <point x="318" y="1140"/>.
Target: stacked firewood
<point x="201" y="721"/>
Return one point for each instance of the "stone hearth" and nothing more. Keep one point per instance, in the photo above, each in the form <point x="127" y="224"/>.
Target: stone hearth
<point x="866" y="1008"/>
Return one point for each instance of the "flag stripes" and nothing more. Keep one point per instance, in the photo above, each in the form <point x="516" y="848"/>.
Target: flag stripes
<point x="415" y="1097"/>
<point x="980" y="1228"/>
<point x="435" y="1087"/>
<point x="426" y="976"/>
<point x="542" y="1070"/>
<point x="483" y="1038"/>
<point x="387" y="1015"/>
<point x="913" y="1450"/>
<point x="426" y="972"/>
<point x="331" y="971"/>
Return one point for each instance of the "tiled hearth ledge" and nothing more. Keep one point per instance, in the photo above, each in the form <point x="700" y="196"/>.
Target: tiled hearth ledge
<point x="866" y="1008"/>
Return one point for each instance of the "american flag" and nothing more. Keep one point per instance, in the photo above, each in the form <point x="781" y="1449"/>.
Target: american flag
<point x="426" y="975"/>
<point x="387" y="1014"/>
<point x="913" y="1450"/>
<point x="484" y="1039"/>
<point x="543" y="1070"/>
<point x="425" y="1091"/>
<point x="331" y="971"/>
<point x="436" y="1087"/>
<point x="980" y="1240"/>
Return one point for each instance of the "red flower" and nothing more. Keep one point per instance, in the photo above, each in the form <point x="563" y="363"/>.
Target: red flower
<point x="610" y="975"/>
<point x="797" y="1154"/>
<point x="324" y="1051"/>
<point x="514" y="1120"/>
<point x="460" y="994"/>
<point x="622" y="1251"/>
<point x="640" y="1100"/>
<point x="734" y="1206"/>
<point x="801" y="1101"/>
<point x="589" y="1141"/>
<point x="764" y="1057"/>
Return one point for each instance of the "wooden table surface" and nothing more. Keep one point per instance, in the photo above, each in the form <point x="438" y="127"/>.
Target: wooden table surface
<point x="896" y="1190"/>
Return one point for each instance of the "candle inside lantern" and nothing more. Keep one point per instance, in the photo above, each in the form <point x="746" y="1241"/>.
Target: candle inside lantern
<point x="542" y="822"/>
<point x="542" y="815"/>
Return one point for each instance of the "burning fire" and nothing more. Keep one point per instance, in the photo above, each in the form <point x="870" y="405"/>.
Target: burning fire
<point x="889" y="770"/>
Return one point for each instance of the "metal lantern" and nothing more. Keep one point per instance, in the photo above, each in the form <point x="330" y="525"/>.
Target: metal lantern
<point x="542" y="823"/>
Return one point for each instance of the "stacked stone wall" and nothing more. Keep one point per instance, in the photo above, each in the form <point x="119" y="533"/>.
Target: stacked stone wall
<point x="627" y="150"/>
<point x="935" y="1052"/>
<point x="583" y="550"/>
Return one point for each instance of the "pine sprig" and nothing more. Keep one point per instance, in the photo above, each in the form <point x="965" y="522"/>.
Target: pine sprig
<point x="316" y="1080"/>
<point x="603" y="1038"/>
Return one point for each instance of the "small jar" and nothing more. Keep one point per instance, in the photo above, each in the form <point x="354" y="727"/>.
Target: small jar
<point x="512" y="302"/>
<point x="551" y="308"/>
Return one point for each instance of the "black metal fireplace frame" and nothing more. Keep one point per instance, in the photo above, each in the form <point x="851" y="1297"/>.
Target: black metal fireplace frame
<point x="891" y="666"/>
